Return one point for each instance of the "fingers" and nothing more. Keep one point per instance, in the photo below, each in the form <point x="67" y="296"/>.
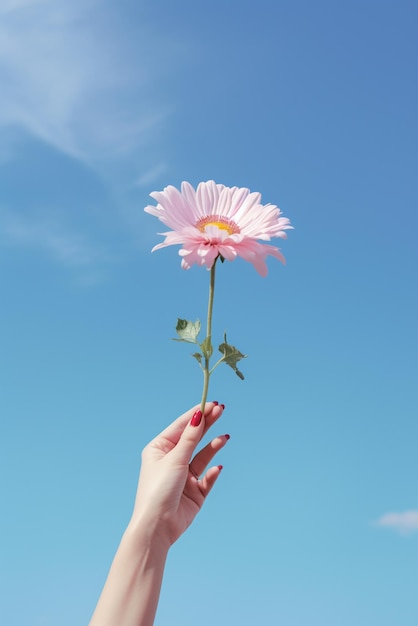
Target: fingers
<point x="209" y="479"/>
<point x="173" y="432"/>
<point x="205" y="456"/>
<point x="193" y="433"/>
<point x="212" y="415"/>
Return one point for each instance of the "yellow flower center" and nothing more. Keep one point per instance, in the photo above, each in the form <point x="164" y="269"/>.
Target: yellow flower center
<point x="221" y="222"/>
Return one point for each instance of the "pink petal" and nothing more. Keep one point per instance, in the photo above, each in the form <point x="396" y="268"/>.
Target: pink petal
<point x="186" y="212"/>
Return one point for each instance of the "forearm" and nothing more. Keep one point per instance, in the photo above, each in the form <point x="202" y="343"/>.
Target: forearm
<point x="131" y="592"/>
<point x="173" y="486"/>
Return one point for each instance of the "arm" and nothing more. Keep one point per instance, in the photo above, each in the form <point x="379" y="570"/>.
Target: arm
<point x="170" y="494"/>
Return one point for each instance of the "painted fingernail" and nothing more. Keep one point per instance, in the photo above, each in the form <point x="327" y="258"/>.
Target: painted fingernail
<point x="227" y="437"/>
<point x="223" y="406"/>
<point x="220" y="467"/>
<point x="215" y="402"/>
<point x="196" y="419"/>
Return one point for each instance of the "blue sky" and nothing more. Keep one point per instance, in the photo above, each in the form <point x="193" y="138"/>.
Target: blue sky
<point x="315" y="517"/>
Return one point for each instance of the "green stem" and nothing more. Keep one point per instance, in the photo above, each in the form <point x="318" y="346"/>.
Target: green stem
<point x="221" y="360"/>
<point x="208" y="340"/>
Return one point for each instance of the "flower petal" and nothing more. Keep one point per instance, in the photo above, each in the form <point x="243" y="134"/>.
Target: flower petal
<point x="214" y="219"/>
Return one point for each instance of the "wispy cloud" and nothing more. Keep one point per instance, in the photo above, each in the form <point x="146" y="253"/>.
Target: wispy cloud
<point x="404" y="523"/>
<point x="70" y="76"/>
<point x="151" y="175"/>
<point x="77" y="75"/>
<point x="49" y="234"/>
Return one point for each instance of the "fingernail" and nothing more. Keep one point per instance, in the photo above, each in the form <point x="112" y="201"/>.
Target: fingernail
<point x="215" y="402"/>
<point x="196" y="419"/>
<point x="223" y="406"/>
<point x="220" y="467"/>
<point x="227" y="437"/>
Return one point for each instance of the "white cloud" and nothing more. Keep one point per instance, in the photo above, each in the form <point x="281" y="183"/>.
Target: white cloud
<point x="48" y="233"/>
<point x="76" y="74"/>
<point x="151" y="175"/>
<point x="404" y="523"/>
<point x="72" y="75"/>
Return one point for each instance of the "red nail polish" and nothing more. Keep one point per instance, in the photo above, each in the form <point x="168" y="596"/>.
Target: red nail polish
<point x="220" y="467"/>
<point x="227" y="437"/>
<point x="215" y="402"/>
<point x="196" y="419"/>
<point x="223" y="406"/>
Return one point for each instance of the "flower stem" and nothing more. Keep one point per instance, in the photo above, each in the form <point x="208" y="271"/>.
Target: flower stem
<point x="207" y="353"/>
<point x="221" y="360"/>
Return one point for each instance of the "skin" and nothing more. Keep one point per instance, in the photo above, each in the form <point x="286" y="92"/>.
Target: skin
<point x="172" y="487"/>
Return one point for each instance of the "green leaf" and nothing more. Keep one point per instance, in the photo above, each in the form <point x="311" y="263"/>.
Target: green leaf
<point x="231" y="356"/>
<point x="207" y="348"/>
<point x="198" y="357"/>
<point x="187" y="331"/>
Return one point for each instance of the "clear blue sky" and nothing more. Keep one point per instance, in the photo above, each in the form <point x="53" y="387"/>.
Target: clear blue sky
<point x="314" y="105"/>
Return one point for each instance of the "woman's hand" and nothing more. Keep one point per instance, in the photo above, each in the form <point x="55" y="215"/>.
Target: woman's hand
<point x="173" y="485"/>
<point x="174" y="482"/>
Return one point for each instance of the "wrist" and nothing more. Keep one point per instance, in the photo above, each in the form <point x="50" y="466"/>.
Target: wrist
<point x="144" y="533"/>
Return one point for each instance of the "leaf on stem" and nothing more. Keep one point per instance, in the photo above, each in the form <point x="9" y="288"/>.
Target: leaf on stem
<point x="207" y="348"/>
<point x="231" y="356"/>
<point x="187" y="331"/>
<point x="198" y="357"/>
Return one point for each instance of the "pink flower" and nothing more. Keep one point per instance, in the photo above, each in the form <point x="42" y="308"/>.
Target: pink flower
<point x="217" y="220"/>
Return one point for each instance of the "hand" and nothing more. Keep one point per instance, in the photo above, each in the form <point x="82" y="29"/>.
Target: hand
<point x="173" y="484"/>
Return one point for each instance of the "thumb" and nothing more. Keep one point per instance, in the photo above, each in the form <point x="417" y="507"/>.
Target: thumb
<point x="189" y="439"/>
